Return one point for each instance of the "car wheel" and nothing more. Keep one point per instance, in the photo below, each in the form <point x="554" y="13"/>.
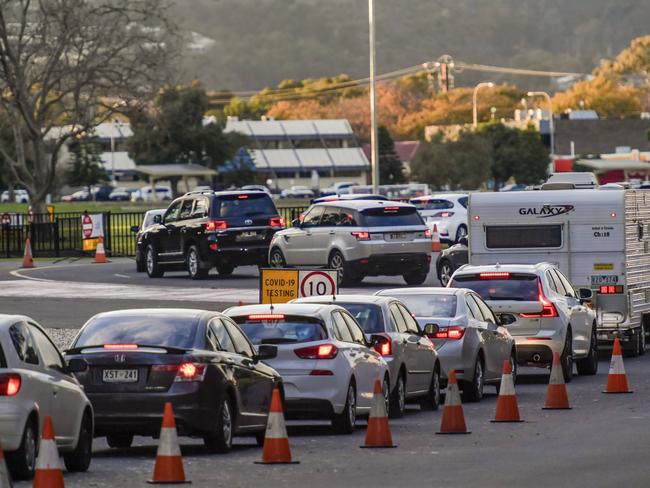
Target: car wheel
<point x="260" y="438"/>
<point x="444" y="272"/>
<point x="415" y="278"/>
<point x="433" y="398"/>
<point x="343" y="422"/>
<point x="346" y="276"/>
<point x="79" y="459"/>
<point x="221" y="440"/>
<point x="22" y="461"/>
<point x="566" y="359"/>
<point x="140" y="266"/>
<point x="589" y="365"/>
<point x="193" y="264"/>
<point x="276" y="259"/>
<point x="154" y="270"/>
<point x="119" y="441"/>
<point x="398" y="398"/>
<point x="225" y="269"/>
<point x="473" y="390"/>
<point x="461" y="232"/>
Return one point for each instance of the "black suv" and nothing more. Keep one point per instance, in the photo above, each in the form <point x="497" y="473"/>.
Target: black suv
<point x="201" y="230"/>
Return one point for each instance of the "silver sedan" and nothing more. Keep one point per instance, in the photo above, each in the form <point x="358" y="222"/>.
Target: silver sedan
<point x="467" y="334"/>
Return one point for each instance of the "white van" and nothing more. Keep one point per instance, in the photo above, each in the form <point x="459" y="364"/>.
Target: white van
<point x="600" y="239"/>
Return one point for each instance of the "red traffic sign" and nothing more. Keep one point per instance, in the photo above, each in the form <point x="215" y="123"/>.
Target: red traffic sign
<point x="317" y="283"/>
<point x="87" y="226"/>
<point x="6" y="218"/>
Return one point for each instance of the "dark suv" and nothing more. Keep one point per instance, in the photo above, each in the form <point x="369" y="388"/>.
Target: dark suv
<point x="201" y="230"/>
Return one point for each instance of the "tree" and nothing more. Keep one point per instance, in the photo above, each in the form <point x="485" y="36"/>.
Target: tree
<point x="74" y="63"/>
<point x="86" y="168"/>
<point x="391" y="169"/>
<point x="240" y="170"/>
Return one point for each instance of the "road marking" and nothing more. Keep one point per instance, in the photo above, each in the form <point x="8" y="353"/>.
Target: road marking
<point x="122" y="276"/>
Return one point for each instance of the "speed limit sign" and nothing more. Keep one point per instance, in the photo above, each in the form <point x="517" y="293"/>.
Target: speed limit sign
<point x="317" y="283"/>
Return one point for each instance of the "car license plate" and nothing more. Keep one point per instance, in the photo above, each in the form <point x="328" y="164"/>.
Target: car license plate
<point x="397" y="236"/>
<point x="604" y="279"/>
<point x="120" y="375"/>
<point x="247" y="235"/>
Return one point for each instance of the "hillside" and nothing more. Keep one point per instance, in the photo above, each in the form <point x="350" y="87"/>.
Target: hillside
<point x="260" y="42"/>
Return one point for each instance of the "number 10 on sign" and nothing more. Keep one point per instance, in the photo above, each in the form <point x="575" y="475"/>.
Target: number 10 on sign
<point x="317" y="283"/>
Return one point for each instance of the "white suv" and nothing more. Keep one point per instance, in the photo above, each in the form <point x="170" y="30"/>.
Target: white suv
<point x="448" y="212"/>
<point x="357" y="238"/>
<point x="542" y="311"/>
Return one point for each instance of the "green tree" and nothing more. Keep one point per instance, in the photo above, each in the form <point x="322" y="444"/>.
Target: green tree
<point x="391" y="169"/>
<point x="240" y="170"/>
<point x="86" y="168"/>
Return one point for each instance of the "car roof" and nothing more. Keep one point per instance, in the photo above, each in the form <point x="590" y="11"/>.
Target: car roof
<point x="440" y="196"/>
<point x="513" y="268"/>
<point x="179" y="313"/>
<point x="305" y="309"/>
<point x="336" y="299"/>
<point x="434" y="290"/>
<point x="364" y="204"/>
<point x="9" y="319"/>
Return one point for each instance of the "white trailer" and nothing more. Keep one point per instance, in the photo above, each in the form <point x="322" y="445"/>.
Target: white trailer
<point x="599" y="238"/>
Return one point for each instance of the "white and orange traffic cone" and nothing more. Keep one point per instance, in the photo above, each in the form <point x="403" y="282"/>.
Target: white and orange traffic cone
<point x="276" y="442"/>
<point x="617" y="380"/>
<point x="100" y="253"/>
<point x="453" y="419"/>
<point x="48" y="466"/>
<point x="28" y="259"/>
<point x="378" y="433"/>
<point x="5" y="478"/>
<point x="557" y="397"/>
<point x="169" y="462"/>
<point x="435" y="239"/>
<point x="507" y="408"/>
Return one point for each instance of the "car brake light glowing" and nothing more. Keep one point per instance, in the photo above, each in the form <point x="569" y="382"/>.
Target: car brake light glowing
<point x="610" y="289"/>
<point x="444" y="215"/>
<point x="191" y="372"/>
<point x="453" y="332"/>
<point x="214" y="225"/>
<point x="496" y="275"/>
<point x="384" y="346"/>
<point x="276" y="221"/>
<point x="242" y="197"/>
<point x="214" y="246"/>
<point x="548" y="308"/>
<point x="9" y="384"/>
<point x="361" y="236"/>
<point x="391" y="209"/>
<point x="266" y="316"/>
<point x="322" y="351"/>
<point x="120" y="346"/>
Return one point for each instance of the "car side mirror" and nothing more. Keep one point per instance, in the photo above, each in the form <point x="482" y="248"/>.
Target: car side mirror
<point x="506" y="319"/>
<point x="492" y="326"/>
<point x="296" y="223"/>
<point x="585" y="294"/>
<point x="76" y="365"/>
<point x="157" y="219"/>
<point x="430" y="330"/>
<point x="266" y="352"/>
<point x="135" y="229"/>
<point x="463" y="240"/>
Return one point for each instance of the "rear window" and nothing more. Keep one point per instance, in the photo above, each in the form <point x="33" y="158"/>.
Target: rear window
<point x="430" y="305"/>
<point x="523" y="236"/>
<point x="281" y="329"/>
<point x="518" y="287"/>
<point x="137" y="329"/>
<point x="436" y="204"/>
<point x="390" y="217"/>
<point x="244" y="205"/>
<point x="368" y="316"/>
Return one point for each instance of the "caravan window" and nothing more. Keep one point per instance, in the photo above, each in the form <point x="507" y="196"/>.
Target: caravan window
<point x="523" y="236"/>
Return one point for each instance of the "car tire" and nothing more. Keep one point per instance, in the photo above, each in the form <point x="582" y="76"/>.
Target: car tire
<point x="433" y="398"/>
<point x="153" y="268"/>
<point x="193" y="264"/>
<point x="445" y="270"/>
<point x="260" y="437"/>
<point x="220" y="441"/>
<point x="473" y="390"/>
<point x="276" y="259"/>
<point x="461" y="232"/>
<point x="344" y="422"/>
<point x="346" y="276"/>
<point x="119" y="441"/>
<point x="566" y="358"/>
<point x="398" y="398"/>
<point x="140" y="267"/>
<point x="415" y="278"/>
<point x="589" y="365"/>
<point x="22" y="462"/>
<point x="225" y="269"/>
<point x="78" y="461"/>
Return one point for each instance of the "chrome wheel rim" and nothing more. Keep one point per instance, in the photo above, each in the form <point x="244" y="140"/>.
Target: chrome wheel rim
<point x="150" y="260"/>
<point x="445" y="274"/>
<point x="352" y="406"/>
<point x="193" y="262"/>
<point x="401" y="395"/>
<point x="336" y="263"/>
<point x="436" y="387"/>
<point x="226" y="423"/>
<point x="462" y="232"/>
<point x="276" y="260"/>
<point x="479" y="378"/>
<point x="513" y="368"/>
<point x="386" y="391"/>
<point x="30" y="448"/>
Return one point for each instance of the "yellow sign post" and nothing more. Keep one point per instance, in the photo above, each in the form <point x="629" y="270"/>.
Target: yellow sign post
<point x="278" y="285"/>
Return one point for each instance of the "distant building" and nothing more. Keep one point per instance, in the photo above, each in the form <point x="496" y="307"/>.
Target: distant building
<point x="406" y="150"/>
<point x="292" y="152"/>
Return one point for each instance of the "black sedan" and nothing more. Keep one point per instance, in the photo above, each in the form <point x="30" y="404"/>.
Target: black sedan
<point x="198" y="360"/>
<point x="450" y="259"/>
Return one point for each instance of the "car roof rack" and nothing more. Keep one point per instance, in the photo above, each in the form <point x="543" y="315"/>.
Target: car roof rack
<point x="199" y="192"/>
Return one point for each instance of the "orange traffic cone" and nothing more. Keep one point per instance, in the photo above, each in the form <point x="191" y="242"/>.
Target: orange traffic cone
<point x="507" y="408"/>
<point x="28" y="259"/>
<point x="48" y="468"/>
<point x="453" y="419"/>
<point x="5" y="478"/>
<point x="276" y="442"/>
<point x="378" y="433"/>
<point x="557" y="397"/>
<point x="100" y="254"/>
<point x="617" y="380"/>
<point x="169" y="462"/>
<point x="435" y="239"/>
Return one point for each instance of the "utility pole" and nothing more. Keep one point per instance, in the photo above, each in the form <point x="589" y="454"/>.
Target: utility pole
<point x="374" y="151"/>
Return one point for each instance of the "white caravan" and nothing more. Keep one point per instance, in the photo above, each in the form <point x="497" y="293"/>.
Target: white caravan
<point x="599" y="238"/>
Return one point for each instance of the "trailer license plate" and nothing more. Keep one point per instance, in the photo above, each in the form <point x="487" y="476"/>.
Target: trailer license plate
<point x="120" y="375"/>
<point x="604" y="279"/>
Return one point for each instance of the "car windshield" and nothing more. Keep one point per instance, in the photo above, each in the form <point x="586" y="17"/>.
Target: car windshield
<point x="369" y="316"/>
<point x="153" y="330"/>
<point x="437" y="204"/>
<point x="518" y="287"/>
<point x="390" y="217"/>
<point x="429" y="305"/>
<point x="281" y="329"/>
<point x="243" y="205"/>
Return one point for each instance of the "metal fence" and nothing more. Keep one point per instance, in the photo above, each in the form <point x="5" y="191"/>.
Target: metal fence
<point x="60" y="234"/>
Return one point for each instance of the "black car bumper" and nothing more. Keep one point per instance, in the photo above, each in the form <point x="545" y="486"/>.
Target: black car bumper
<point x="392" y="264"/>
<point x="241" y="254"/>
<point x="308" y="409"/>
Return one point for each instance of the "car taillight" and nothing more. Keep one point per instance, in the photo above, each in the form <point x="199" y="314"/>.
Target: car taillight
<point x="454" y="332"/>
<point x="444" y="215"/>
<point x="361" y="236"/>
<point x="548" y="308"/>
<point x="610" y="289"/>
<point x="9" y="384"/>
<point x="384" y="346"/>
<point x="266" y="316"/>
<point x="120" y="347"/>
<point x="276" y="221"/>
<point x="191" y="372"/>
<point x="215" y="225"/>
<point x="322" y="351"/>
<point x="495" y="275"/>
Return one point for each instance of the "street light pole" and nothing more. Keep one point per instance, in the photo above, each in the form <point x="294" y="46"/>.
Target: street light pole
<point x="551" y="124"/>
<point x="487" y="84"/>
<point x="374" y="152"/>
